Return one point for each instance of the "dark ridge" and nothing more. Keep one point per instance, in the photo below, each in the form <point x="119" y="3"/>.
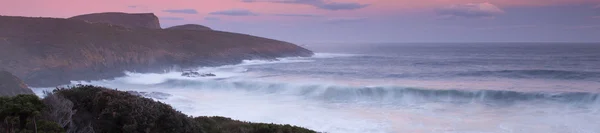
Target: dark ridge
<point x="10" y="85"/>
<point x="128" y="20"/>
<point x="190" y="27"/>
<point x="47" y="52"/>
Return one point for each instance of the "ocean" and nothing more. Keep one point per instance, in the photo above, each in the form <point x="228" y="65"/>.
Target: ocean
<point x="398" y="88"/>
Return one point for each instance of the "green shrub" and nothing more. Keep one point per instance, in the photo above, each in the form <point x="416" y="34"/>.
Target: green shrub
<point x="21" y="114"/>
<point x="89" y="109"/>
<point x="218" y="124"/>
<point x="115" y="111"/>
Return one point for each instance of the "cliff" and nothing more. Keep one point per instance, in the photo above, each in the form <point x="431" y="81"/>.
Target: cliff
<point x="10" y="85"/>
<point x="189" y="27"/>
<point x="138" y="20"/>
<point x="52" y="51"/>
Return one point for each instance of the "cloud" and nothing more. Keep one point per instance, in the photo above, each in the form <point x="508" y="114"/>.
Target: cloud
<point x="212" y="18"/>
<point x="471" y="10"/>
<point x="507" y="27"/>
<point x="182" y="11"/>
<point x="132" y="6"/>
<point x="235" y="12"/>
<point x="297" y="15"/>
<point x="321" y="4"/>
<point x="344" y="20"/>
<point x="596" y="17"/>
<point x="170" y="18"/>
<point x="584" y="27"/>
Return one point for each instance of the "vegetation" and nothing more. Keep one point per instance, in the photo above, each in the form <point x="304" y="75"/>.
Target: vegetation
<point x="89" y="109"/>
<point x="21" y="114"/>
<point x="218" y="124"/>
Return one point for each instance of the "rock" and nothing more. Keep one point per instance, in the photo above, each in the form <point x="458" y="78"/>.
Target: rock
<point x="190" y="74"/>
<point x="128" y="20"/>
<point x="10" y="85"/>
<point x="190" y="27"/>
<point x="155" y="95"/>
<point x="208" y="75"/>
<point x="197" y="74"/>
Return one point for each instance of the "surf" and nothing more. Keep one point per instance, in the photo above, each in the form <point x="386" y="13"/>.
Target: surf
<point x="328" y="100"/>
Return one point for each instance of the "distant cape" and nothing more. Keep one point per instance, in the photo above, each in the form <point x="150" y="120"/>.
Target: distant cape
<point x="137" y="20"/>
<point x="47" y="52"/>
<point x="190" y="27"/>
<point x="11" y="85"/>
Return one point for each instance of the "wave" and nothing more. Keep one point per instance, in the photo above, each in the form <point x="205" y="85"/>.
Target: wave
<point x="544" y="74"/>
<point x="278" y="60"/>
<point x="333" y="55"/>
<point x="387" y="94"/>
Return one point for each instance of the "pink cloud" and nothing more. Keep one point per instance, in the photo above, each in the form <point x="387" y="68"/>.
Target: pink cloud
<point x="471" y="10"/>
<point x="584" y="27"/>
<point x="68" y="8"/>
<point x="507" y="27"/>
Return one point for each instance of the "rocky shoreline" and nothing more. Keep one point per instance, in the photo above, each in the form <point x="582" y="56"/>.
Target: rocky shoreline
<point x="47" y="52"/>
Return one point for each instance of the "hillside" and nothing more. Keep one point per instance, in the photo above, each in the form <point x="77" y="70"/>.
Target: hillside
<point x="47" y="52"/>
<point x="129" y="20"/>
<point x="89" y="109"/>
<point x="10" y="85"/>
<point x="190" y="27"/>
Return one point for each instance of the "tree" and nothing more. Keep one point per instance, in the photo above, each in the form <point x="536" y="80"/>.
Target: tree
<point x="17" y="110"/>
<point x="21" y="113"/>
<point x="58" y="109"/>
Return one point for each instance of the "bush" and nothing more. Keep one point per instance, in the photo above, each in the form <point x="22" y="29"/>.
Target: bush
<point x="89" y="109"/>
<point x="218" y="124"/>
<point x="115" y="111"/>
<point x="20" y="114"/>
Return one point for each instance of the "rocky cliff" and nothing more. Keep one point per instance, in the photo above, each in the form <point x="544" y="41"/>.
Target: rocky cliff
<point x="189" y="27"/>
<point x="10" y="85"/>
<point x="52" y="51"/>
<point x="137" y="20"/>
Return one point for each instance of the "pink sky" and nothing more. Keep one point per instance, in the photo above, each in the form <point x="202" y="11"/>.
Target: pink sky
<point x="67" y="8"/>
<point x="384" y="15"/>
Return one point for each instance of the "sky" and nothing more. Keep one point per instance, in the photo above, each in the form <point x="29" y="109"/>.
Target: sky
<point x="355" y="21"/>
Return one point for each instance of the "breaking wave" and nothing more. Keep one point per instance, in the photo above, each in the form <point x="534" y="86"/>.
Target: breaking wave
<point x="544" y="74"/>
<point x="388" y="95"/>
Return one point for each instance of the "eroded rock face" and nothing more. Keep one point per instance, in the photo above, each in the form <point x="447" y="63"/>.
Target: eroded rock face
<point x="10" y="85"/>
<point x="128" y="20"/>
<point x="47" y="52"/>
<point x="190" y="27"/>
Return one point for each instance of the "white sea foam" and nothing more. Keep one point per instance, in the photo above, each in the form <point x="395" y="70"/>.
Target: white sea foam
<point x="333" y="55"/>
<point x="279" y="60"/>
<point x="337" y="107"/>
<point x="342" y="109"/>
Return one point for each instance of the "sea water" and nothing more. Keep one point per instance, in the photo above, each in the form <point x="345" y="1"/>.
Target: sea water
<point x="399" y="88"/>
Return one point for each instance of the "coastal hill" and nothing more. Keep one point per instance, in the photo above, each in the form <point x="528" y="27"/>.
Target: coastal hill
<point x="47" y="52"/>
<point x="10" y="85"/>
<point x="89" y="109"/>
<point x="189" y="27"/>
<point x="138" y="20"/>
